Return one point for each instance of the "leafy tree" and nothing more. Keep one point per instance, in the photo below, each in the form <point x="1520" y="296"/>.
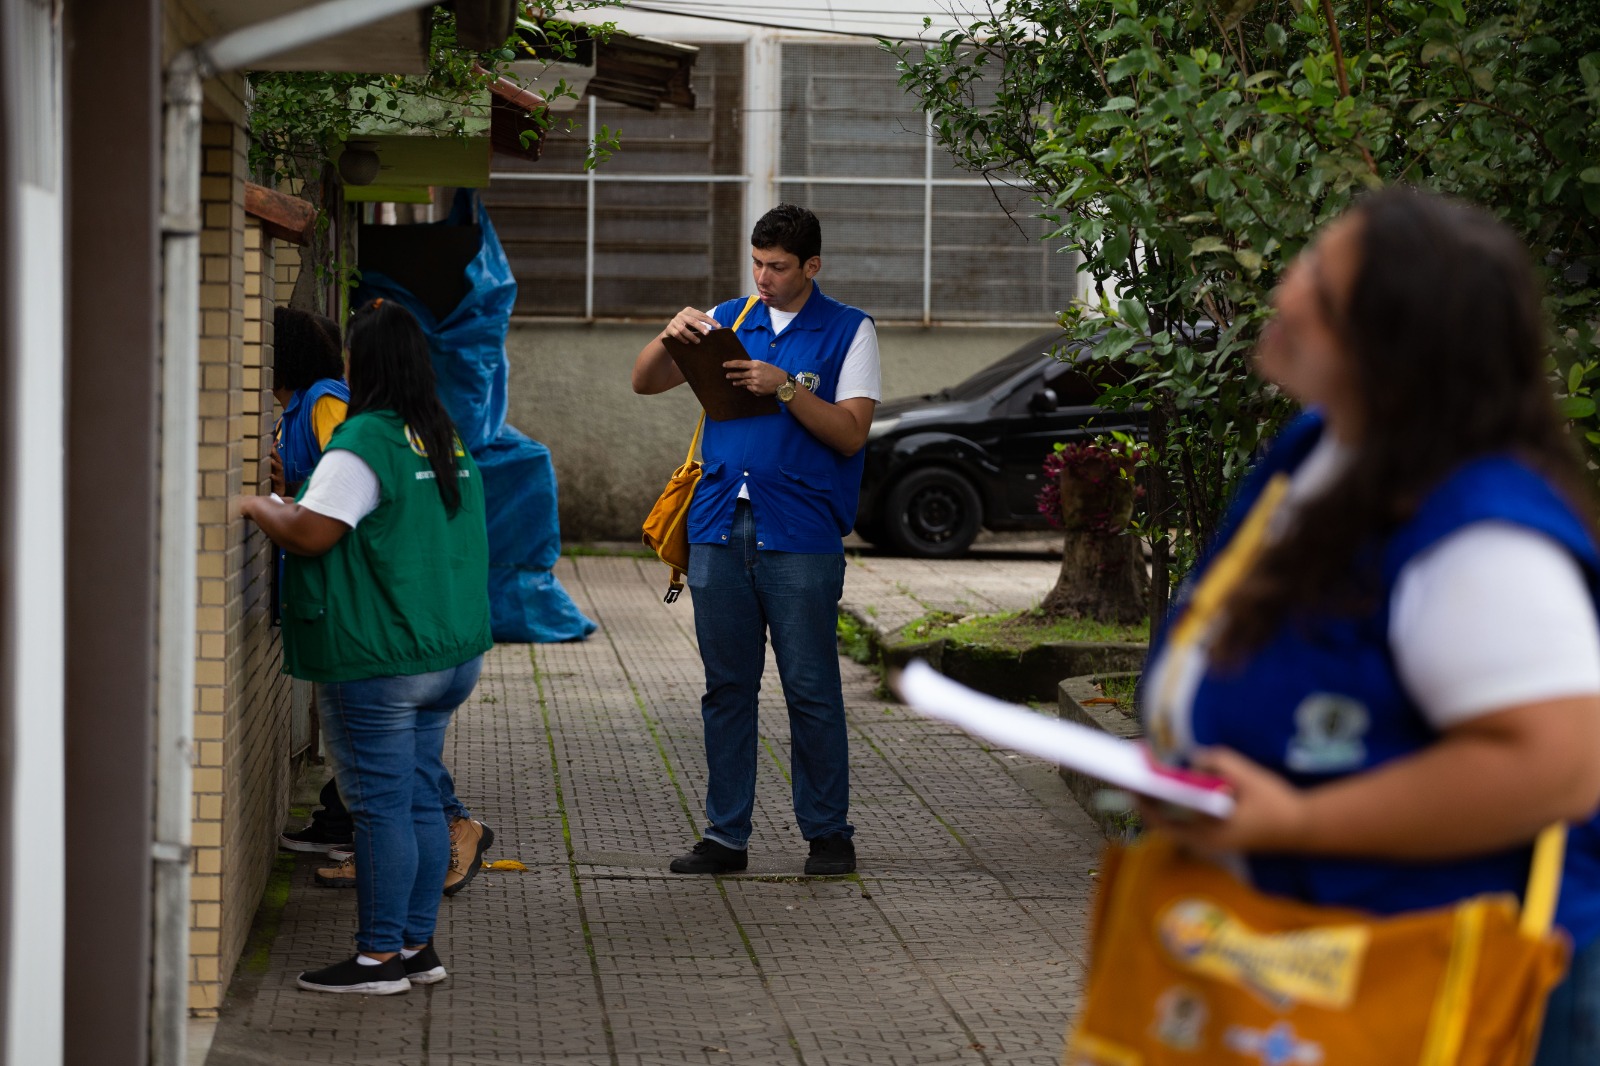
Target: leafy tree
<point x="1188" y="150"/>
<point x="298" y="119"/>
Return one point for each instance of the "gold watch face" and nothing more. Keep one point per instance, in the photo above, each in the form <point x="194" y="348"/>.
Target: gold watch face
<point x="786" y="391"/>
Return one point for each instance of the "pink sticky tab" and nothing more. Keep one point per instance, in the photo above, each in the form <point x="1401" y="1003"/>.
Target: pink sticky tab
<point x="1188" y="777"/>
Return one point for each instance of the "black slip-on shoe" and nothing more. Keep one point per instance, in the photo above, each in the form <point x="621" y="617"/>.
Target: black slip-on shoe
<point x="424" y="968"/>
<point x="709" y="857"/>
<point x="832" y="854"/>
<point x="384" y="979"/>
<point x="314" y="838"/>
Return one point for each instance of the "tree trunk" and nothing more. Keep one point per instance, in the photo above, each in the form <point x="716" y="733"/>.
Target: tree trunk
<point x="1103" y="574"/>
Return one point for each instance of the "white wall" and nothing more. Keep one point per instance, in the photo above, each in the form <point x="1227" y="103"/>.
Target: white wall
<point x="34" y="556"/>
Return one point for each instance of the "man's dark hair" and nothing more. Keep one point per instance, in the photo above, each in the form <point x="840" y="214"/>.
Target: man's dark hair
<point x="790" y="227"/>
<point x="305" y="349"/>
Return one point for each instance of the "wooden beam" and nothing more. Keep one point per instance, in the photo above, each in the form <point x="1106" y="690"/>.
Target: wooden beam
<point x="285" y="217"/>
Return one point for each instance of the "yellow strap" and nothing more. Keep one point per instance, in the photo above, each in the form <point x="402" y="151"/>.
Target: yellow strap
<point x="748" y="304"/>
<point x="694" y="444"/>
<point x="1231" y="564"/>
<point x="1544" y="881"/>
<point x="1447" y="1022"/>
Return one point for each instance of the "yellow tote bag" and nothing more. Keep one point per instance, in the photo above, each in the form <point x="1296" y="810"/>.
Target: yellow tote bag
<point x="1189" y="965"/>
<point x="666" y="527"/>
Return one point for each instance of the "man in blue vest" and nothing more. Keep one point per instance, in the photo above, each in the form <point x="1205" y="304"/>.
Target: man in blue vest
<point x="777" y="493"/>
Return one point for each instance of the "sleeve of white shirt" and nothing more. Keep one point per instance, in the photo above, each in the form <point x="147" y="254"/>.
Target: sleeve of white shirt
<point x="860" y="375"/>
<point x="1493" y="616"/>
<point x="343" y="487"/>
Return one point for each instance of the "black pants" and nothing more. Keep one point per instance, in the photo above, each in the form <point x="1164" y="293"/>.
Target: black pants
<point x="333" y="817"/>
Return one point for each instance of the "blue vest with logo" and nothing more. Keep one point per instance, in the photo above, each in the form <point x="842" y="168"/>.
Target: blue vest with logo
<point x="1323" y="700"/>
<point x="802" y="493"/>
<point x="298" y="446"/>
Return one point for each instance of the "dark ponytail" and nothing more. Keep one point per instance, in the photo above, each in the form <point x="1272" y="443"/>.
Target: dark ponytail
<point x="392" y="370"/>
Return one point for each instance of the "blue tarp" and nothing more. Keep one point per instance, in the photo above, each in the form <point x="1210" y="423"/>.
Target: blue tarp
<point x="526" y="600"/>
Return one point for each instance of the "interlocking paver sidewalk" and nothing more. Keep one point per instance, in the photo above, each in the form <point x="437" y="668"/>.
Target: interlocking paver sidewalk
<point x="960" y="941"/>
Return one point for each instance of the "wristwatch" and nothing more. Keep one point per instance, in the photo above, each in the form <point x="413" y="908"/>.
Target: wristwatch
<point x="785" y="391"/>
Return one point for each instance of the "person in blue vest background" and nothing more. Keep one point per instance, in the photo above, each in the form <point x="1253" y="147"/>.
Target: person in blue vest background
<point x="777" y="494"/>
<point x="1405" y="687"/>
<point x="308" y="383"/>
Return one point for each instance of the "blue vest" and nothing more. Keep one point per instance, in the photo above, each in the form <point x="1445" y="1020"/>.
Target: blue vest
<point x="802" y="492"/>
<point x="1322" y="699"/>
<point x="297" y="436"/>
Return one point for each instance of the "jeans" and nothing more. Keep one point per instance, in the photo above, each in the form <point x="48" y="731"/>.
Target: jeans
<point x="740" y="594"/>
<point x="334" y="817"/>
<point x="385" y="737"/>
<point x="1571" y="1035"/>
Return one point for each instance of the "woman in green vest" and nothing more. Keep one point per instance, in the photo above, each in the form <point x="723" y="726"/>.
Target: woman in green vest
<point x="386" y="608"/>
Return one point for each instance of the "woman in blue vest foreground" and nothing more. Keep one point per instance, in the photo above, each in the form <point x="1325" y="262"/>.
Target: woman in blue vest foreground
<point x="386" y="608"/>
<point x="1406" y="686"/>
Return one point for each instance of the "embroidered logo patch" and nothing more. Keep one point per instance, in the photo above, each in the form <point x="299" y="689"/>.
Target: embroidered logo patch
<point x="422" y="449"/>
<point x="1316" y="966"/>
<point x="1329" y="732"/>
<point x="1180" y="1018"/>
<point x="809" y="380"/>
<point x="1273" y="1047"/>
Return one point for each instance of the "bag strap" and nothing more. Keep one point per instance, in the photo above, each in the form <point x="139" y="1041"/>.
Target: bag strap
<point x="694" y="443"/>
<point x="1544" y="881"/>
<point x="1229" y="568"/>
<point x="748" y="304"/>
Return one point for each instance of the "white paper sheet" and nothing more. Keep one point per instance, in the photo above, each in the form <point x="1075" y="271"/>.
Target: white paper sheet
<point x="1118" y="762"/>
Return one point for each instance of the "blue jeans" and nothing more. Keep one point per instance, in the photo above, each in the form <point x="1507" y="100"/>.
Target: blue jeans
<point x="740" y="594"/>
<point x="385" y="738"/>
<point x="1571" y="1035"/>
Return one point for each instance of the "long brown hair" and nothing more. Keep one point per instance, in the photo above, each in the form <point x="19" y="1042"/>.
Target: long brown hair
<point x="1446" y="335"/>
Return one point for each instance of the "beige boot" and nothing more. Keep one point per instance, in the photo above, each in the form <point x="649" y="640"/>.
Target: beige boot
<point x="341" y="876"/>
<point x="469" y="839"/>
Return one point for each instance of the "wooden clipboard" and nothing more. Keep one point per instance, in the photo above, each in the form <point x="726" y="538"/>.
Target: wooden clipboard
<point x="702" y="368"/>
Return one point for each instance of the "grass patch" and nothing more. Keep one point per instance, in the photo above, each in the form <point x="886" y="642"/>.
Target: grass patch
<point x="256" y="958"/>
<point x="1018" y="631"/>
<point x="1120" y="689"/>
<point x="854" y="641"/>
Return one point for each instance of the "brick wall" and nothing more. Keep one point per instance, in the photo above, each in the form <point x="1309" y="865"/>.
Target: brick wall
<point x="242" y="757"/>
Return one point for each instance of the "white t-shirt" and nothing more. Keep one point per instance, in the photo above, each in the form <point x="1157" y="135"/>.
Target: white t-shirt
<point x="343" y="487"/>
<point x="1492" y="616"/>
<point x="861" y="374"/>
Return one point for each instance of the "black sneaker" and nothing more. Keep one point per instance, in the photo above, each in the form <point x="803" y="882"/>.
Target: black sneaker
<point x="832" y="854"/>
<point x="384" y="979"/>
<point x="313" y="838"/>
<point x="709" y="857"/>
<point x="424" y="968"/>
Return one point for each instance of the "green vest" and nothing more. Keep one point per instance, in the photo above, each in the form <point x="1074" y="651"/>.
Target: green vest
<point x="404" y="592"/>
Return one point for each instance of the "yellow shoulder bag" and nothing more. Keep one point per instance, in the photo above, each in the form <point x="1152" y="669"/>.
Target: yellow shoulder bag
<point x="666" y="527"/>
<point x="1190" y="966"/>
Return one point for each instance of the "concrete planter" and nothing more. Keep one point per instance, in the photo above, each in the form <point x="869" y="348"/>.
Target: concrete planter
<point x="1073" y="705"/>
<point x="1032" y="675"/>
